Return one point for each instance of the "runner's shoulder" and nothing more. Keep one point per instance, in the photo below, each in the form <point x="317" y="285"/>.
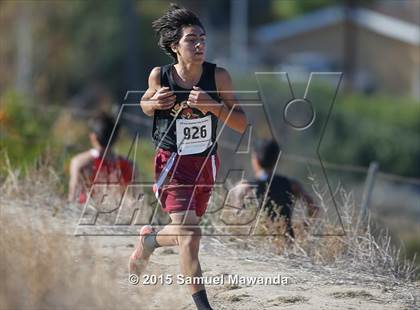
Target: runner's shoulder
<point x="221" y="72"/>
<point x="222" y="77"/>
<point x="155" y="71"/>
<point x="154" y="77"/>
<point x="82" y="159"/>
<point x="283" y="178"/>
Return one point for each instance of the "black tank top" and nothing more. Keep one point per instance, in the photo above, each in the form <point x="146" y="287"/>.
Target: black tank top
<point x="164" y="124"/>
<point x="280" y="198"/>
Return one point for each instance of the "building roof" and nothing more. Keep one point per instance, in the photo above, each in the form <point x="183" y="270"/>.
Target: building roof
<point x="382" y="24"/>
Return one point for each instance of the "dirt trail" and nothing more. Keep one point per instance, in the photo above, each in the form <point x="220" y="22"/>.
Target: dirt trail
<point x="63" y="271"/>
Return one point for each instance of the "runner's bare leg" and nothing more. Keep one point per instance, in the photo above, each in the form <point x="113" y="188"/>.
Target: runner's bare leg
<point x="184" y="232"/>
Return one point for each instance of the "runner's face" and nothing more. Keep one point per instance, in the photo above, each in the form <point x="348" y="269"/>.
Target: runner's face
<point x="192" y="45"/>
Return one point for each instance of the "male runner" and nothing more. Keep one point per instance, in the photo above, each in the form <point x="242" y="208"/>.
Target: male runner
<point x="186" y="99"/>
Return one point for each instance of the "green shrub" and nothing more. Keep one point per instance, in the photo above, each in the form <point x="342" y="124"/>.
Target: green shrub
<point x="25" y="128"/>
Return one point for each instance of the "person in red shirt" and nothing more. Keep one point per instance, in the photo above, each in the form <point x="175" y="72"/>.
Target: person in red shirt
<point x="99" y="165"/>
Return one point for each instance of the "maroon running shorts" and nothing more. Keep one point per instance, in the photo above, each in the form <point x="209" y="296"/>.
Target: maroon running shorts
<point x="184" y="182"/>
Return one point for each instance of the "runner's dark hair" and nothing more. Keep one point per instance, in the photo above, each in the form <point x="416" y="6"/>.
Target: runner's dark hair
<point x="267" y="152"/>
<point x="169" y="27"/>
<point x="102" y="126"/>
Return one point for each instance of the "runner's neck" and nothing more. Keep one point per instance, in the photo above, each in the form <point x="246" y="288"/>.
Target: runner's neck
<point x="187" y="75"/>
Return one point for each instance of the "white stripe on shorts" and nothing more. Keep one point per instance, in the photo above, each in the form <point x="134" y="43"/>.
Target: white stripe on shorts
<point x="213" y="166"/>
<point x="164" y="173"/>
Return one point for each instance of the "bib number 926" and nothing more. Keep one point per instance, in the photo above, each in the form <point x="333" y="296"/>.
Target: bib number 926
<point x="195" y="132"/>
<point x="193" y="136"/>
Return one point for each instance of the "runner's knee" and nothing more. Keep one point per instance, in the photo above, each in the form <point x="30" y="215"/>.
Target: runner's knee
<point x="190" y="237"/>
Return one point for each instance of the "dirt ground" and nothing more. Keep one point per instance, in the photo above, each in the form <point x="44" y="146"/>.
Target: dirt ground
<point x="44" y="266"/>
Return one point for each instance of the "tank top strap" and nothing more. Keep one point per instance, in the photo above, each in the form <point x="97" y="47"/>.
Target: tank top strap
<point x="208" y="77"/>
<point x="164" y="75"/>
<point x="208" y="80"/>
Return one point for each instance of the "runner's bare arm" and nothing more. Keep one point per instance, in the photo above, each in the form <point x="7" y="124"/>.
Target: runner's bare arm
<point x="77" y="163"/>
<point x="237" y="120"/>
<point x="229" y="111"/>
<point x="156" y="97"/>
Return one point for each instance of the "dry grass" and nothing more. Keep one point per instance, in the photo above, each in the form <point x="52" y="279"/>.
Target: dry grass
<point x="361" y="246"/>
<point x="39" y="271"/>
<point x="45" y="270"/>
<point x="41" y="267"/>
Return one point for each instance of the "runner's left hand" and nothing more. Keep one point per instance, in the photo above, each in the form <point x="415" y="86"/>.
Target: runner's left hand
<point x="199" y="99"/>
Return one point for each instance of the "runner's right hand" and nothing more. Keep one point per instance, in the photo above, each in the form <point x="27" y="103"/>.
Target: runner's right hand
<point x="163" y="99"/>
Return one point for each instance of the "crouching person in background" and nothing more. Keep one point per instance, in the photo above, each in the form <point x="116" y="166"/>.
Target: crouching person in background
<point x="99" y="165"/>
<point x="282" y="192"/>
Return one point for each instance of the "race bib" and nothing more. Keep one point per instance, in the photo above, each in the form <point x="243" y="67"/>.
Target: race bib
<point x="193" y="135"/>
